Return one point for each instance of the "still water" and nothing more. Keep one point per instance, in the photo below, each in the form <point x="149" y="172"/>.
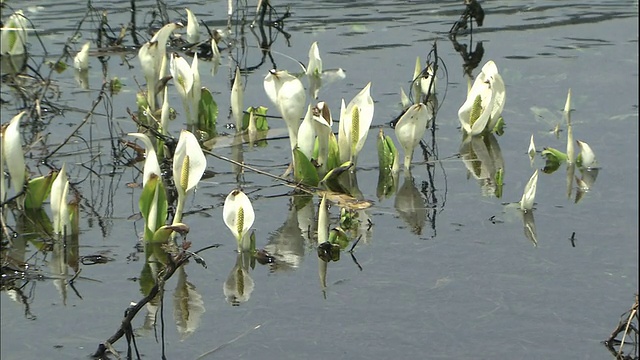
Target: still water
<point x="446" y="271"/>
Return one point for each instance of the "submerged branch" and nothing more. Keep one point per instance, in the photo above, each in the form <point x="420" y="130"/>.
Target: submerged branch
<point x="133" y="310"/>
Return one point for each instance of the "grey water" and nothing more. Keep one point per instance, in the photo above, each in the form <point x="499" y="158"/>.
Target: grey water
<point x="447" y="270"/>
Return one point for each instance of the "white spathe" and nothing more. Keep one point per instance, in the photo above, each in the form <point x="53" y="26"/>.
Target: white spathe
<point x="411" y="128"/>
<point x="151" y="165"/>
<point x="355" y="120"/>
<point x="238" y="214"/>
<point x="13" y="155"/>
<point x="81" y="60"/>
<point x="307" y="134"/>
<point x="153" y="59"/>
<point x="314" y="68"/>
<point x="59" y="206"/>
<point x="488" y="88"/>
<point x="287" y="93"/>
<point x="13" y="38"/>
<point x="182" y="74"/>
<point x="529" y="194"/>
<point x="322" y="124"/>
<point x="186" y="178"/>
<point x="587" y="155"/>
<point x="237" y="96"/>
<point x="193" y="27"/>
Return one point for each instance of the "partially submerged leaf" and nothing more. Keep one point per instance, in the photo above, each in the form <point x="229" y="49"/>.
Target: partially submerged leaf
<point x="38" y="190"/>
<point x="304" y="171"/>
<point x="208" y="113"/>
<point x="260" y="115"/>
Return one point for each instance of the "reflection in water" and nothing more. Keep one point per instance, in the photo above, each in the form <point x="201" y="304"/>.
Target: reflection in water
<point x="64" y="257"/>
<point x="82" y="78"/>
<point x="188" y="306"/>
<point x="239" y="285"/>
<point x="470" y="60"/>
<point x="529" y="226"/>
<point x="237" y="154"/>
<point x="483" y="159"/>
<point x="410" y="205"/>
<point x="287" y="244"/>
<point x="585" y="182"/>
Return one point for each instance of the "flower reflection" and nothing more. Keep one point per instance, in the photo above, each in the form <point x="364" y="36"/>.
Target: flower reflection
<point x="410" y="205"/>
<point x="585" y="182"/>
<point x="529" y="227"/>
<point x="483" y="158"/>
<point x="239" y="285"/>
<point x="64" y="257"/>
<point x="287" y="244"/>
<point x="188" y="306"/>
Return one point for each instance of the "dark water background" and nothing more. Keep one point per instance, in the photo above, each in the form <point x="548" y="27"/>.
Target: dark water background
<point x="470" y="285"/>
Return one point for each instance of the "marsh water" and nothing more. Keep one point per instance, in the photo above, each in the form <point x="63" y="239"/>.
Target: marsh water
<point x="445" y="269"/>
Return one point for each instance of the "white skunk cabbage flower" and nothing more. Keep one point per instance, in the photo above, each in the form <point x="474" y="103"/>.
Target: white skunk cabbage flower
<point x="81" y="60"/>
<point x="322" y="124"/>
<point x="287" y="93"/>
<point x="153" y="59"/>
<point x="151" y="165"/>
<point x="193" y="27"/>
<point x="189" y="162"/>
<point x="187" y="80"/>
<point x="237" y="95"/>
<point x="59" y="205"/>
<point x="571" y="152"/>
<point x="355" y="120"/>
<point x="485" y="101"/>
<point x="529" y="195"/>
<point x="13" y="155"/>
<point x="196" y="88"/>
<point x="421" y="81"/>
<point x="405" y="101"/>
<point x="532" y="150"/>
<point x="182" y="74"/>
<point x="239" y="216"/>
<point x="307" y="134"/>
<point x="586" y="158"/>
<point x="215" y="57"/>
<point x="314" y="68"/>
<point x="13" y="39"/>
<point x="411" y="128"/>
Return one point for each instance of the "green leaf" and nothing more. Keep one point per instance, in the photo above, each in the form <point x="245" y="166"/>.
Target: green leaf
<point x="337" y="236"/>
<point x="386" y="184"/>
<point x="332" y="182"/>
<point x="499" y="178"/>
<point x="303" y="170"/>
<point x="207" y="113"/>
<point x="553" y="159"/>
<point x="38" y="190"/>
<point x="333" y="158"/>
<point x="499" y="128"/>
<point x="554" y="154"/>
<point x="300" y="201"/>
<point x="115" y="85"/>
<point x="260" y="114"/>
<point x="387" y="152"/>
<point x="153" y="186"/>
